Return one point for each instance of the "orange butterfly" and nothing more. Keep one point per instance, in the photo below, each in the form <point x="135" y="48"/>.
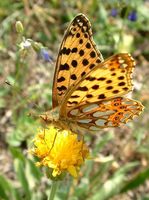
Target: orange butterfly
<point x="87" y="90"/>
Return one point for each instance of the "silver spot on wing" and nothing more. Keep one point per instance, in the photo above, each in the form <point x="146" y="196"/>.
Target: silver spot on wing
<point x="99" y="113"/>
<point x="120" y="60"/>
<point x="109" y="124"/>
<point x="90" y="107"/>
<point x="127" y="115"/>
<point x="84" y="121"/>
<point x="74" y="112"/>
<point x="94" y="128"/>
<point x="100" y="122"/>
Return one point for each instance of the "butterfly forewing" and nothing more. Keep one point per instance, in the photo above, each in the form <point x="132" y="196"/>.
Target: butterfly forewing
<point x="77" y="56"/>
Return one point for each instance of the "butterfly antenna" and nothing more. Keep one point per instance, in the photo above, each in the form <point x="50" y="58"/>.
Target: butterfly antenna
<point x="26" y="97"/>
<point x="8" y="83"/>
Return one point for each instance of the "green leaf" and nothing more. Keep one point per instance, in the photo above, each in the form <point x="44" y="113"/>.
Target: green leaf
<point x="17" y="153"/>
<point x="20" y="171"/>
<point x="109" y="188"/>
<point x="33" y="174"/>
<point x="4" y="188"/>
<point x="138" y="180"/>
<point x="7" y="189"/>
<point x="112" y="186"/>
<point x="103" y="169"/>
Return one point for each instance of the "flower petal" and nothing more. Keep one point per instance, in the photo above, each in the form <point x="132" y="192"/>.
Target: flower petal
<point x="72" y="170"/>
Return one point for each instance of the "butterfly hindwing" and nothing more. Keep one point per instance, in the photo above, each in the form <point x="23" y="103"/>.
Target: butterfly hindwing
<point x="77" y="56"/>
<point x="109" y="79"/>
<point x="111" y="113"/>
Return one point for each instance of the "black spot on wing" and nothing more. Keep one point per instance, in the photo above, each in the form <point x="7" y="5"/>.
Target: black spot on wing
<point x="90" y="78"/>
<point x="115" y="91"/>
<point x="83" y="73"/>
<point x="121" y="83"/>
<point x="75" y="96"/>
<point x="101" y="96"/>
<point x="89" y="95"/>
<point x="73" y="102"/>
<point x="62" y="88"/>
<point x="78" y="35"/>
<point x="73" y="77"/>
<point x="109" y="81"/>
<point x="86" y="35"/>
<point x="74" y="50"/>
<point x="112" y="69"/>
<point x="81" y="52"/>
<point x="109" y="87"/>
<point x="92" y="54"/>
<point x="84" y="88"/>
<point x="81" y="41"/>
<point x="121" y="78"/>
<point x="101" y="79"/>
<point x="91" y="66"/>
<point x="113" y="74"/>
<point x="85" y="62"/>
<point x="74" y="63"/>
<point x="65" y="51"/>
<point x="95" y="87"/>
<point x="88" y="45"/>
<point x="125" y="88"/>
<point x="61" y="79"/>
<point x="64" y="67"/>
<point x="98" y="61"/>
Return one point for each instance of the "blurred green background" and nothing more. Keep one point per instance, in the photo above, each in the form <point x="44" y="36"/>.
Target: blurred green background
<point x="120" y="165"/>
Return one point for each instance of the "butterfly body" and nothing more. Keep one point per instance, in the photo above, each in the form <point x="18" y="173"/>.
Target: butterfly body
<point x="52" y="117"/>
<point x="88" y="92"/>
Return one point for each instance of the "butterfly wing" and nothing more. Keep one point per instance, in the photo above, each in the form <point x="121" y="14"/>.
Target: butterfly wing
<point x="95" y="102"/>
<point x="87" y="90"/>
<point x="109" y="79"/>
<point x="77" y="56"/>
<point x="111" y="113"/>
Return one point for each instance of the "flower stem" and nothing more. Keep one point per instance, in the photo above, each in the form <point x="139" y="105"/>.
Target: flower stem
<point x="53" y="190"/>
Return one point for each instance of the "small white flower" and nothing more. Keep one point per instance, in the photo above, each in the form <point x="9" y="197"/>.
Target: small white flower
<point x="25" y="44"/>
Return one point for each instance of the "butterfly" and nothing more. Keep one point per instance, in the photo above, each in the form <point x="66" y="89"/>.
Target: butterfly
<point x="88" y="92"/>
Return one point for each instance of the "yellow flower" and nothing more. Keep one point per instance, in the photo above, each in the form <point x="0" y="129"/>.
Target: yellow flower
<point x="60" y="150"/>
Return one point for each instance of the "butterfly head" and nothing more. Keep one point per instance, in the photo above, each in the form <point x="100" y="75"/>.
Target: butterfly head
<point x="50" y="116"/>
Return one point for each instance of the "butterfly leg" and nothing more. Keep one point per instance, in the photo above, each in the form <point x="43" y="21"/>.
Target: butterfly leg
<point x="53" y="143"/>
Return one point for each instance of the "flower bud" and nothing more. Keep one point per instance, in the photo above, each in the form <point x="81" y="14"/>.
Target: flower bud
<point x="37" y="46"/>
<point x="19" y="27"/>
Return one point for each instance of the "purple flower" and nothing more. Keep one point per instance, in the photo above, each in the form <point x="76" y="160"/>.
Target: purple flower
<point x="132" y="16"/>
<point x="114" y="12"/>
<point x="45" y="55"/>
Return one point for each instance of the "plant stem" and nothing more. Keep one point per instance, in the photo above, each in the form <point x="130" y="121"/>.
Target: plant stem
<point x="53" y="190"/>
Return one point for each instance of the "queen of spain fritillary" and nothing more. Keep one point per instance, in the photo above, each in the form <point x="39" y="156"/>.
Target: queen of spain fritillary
<point x="88" y="92"/>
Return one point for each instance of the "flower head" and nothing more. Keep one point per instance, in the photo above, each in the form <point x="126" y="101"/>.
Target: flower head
<point x="24" y="47"/>
<point x="45" y="55"/>
<point x="132" y="16"/>
<point x="25" y="44"/>
<point x="114" y="12"/>
<point x="61" y="151"/>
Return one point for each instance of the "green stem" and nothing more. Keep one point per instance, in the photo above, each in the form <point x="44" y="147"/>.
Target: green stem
<point x="53" y="190"/>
